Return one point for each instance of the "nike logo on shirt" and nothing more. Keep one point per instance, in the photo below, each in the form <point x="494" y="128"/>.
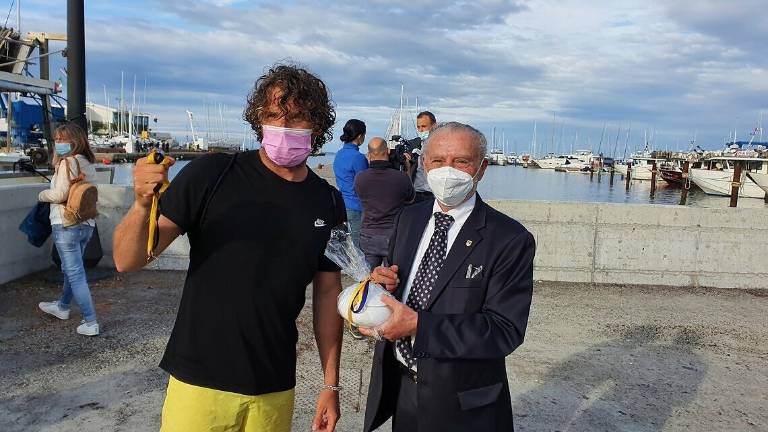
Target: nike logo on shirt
<point x="319" y="223"/>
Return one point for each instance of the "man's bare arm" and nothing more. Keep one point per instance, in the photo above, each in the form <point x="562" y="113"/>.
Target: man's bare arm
<point x="129" y="245"/>
<point x="328" y="334"/>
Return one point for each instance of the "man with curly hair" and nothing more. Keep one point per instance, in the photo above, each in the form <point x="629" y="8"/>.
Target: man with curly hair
<point x="257" y="223"/>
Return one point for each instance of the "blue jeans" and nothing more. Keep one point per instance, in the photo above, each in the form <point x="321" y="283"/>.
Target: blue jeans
<point x="354" y="220"/>
<point x="71" y="242"/>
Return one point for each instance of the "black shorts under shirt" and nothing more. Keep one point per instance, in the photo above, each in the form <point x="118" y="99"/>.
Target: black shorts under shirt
<point x="251" y="259"/>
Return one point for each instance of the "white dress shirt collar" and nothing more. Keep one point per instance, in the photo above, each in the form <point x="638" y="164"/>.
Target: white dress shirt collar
<point x="459" y="213"/>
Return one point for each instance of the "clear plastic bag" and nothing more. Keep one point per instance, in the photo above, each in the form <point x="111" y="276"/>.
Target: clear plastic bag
<point x="359" y="304"/>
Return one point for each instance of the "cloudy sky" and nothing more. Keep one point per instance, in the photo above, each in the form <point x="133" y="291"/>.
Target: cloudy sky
<point x="671" y="69"/>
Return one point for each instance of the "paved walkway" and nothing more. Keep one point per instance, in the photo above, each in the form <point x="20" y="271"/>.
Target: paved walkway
<point x="595" y="358"/>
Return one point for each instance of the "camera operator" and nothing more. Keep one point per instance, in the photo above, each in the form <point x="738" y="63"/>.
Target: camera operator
<point x="403" y="155"/>
<point x="425" y="123"/>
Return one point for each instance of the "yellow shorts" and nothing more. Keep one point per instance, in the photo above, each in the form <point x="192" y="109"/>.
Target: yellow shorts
<point x="191" y="408"/>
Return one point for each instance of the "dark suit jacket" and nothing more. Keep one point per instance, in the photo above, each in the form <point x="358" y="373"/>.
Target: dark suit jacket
<point x="469" y="326"/>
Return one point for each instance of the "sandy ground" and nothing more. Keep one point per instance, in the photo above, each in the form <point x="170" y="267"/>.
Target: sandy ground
<point x="605" y="358"/>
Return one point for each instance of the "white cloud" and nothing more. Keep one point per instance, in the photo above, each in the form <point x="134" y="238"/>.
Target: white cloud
<point x="674" y="67"/>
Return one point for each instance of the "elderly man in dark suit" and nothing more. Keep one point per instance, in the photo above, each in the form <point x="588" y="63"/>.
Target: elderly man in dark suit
<point x="463" y="273"/>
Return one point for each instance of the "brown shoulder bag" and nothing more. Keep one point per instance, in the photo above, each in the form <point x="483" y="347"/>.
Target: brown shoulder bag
<point x="82" y="198"/>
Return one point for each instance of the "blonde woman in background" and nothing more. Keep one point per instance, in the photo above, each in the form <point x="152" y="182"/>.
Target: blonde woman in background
<point x="71" y="149"/>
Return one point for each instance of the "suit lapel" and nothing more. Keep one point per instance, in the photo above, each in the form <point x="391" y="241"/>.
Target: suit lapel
<point x="414" y="231"/>
<point x="467" y="240"/>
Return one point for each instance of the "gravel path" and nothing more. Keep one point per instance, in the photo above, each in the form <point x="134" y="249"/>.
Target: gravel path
<point x="596" y="358"/>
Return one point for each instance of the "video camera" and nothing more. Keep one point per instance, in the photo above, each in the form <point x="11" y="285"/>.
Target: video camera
<point x="397" y="155"/>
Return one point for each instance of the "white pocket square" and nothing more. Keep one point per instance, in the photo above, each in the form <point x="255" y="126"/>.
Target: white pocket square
<point x="473" y="271"/>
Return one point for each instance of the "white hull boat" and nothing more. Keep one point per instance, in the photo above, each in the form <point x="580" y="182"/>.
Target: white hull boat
<point x="719" y="183"/>
<point x="8" y="158"/>
<point x="760" y="179"/>
<point x="716" y="175"/>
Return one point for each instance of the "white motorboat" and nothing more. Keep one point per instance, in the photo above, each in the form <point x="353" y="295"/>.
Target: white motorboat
<point x="760" y="179"/>
<point x="551" y="161"/>
<point x="8" y="157"/>
<point x="512" y="159"/>
<point x="642" y="166"/>
<point x="496" y="157"/>
<point x="716" y="174"/>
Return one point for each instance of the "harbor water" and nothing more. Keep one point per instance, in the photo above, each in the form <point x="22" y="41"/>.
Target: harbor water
<point x="533" y="184"/>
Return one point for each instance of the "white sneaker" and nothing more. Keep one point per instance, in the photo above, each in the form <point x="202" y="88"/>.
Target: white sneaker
<point x="88" y="329"/>
<point x="53" y="308"/>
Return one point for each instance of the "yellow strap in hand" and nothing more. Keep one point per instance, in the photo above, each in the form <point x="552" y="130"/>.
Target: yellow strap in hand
<point x="157" y="158"/>
<point x="357" y="299"/>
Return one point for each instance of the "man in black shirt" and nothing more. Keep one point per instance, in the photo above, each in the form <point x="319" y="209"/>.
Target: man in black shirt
<point x="383" y="192"/>
<point x="258" y="223"/>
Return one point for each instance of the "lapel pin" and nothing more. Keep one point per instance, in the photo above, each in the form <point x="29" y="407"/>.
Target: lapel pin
<point x="468" y="243"/>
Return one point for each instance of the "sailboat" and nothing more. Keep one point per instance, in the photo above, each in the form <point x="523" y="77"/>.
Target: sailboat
<point x="402" y="123"/>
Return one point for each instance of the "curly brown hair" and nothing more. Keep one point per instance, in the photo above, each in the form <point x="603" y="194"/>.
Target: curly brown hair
<point x="306" y="94"/>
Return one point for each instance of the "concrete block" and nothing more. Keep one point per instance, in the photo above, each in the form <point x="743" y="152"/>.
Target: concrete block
<point x="115" y="196"/>
<point x="740" y="251"/>
<point x="573" y="213"/>
<point x="643" y="248"/>
<point x="740" y="218"/>
<point x="564" y="246"/>
<point x="523" y="211"/>
<point x="17" y="256"/>
<point x="562" y="274"/>
<point x="649" y="215"/>
<point x="733" y="280"/>
<point x="641" y="277"/>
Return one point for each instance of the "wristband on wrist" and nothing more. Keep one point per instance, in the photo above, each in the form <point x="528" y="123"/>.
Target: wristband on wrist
<point x="332" y="387"/>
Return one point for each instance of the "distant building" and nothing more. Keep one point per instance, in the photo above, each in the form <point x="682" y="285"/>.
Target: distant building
<point x="107" y="120"/>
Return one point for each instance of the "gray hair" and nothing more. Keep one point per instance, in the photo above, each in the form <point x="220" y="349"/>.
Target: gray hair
<point x="477" y="136"/>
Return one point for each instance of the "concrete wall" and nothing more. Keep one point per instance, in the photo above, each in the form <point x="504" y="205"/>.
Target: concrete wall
<point x="646" y="244"/>
<point x="114" y="202"/>
<point x="576" y="242"/>
<point x="17" y="256"/>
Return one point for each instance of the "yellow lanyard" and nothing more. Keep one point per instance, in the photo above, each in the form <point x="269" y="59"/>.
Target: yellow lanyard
<point x="358" y="299"/>
<point x="156" y="158"/>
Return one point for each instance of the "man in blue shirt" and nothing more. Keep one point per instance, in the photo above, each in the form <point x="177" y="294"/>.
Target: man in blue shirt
<point x="348" y="162"/>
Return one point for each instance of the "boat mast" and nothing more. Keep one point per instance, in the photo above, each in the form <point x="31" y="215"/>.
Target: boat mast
<point x="626" y="142"/>
<point x="109" y="112"/>
<point x="602" y="135"/>
<point x="533" y="140"/>
<point x="693" y="141"/>
<point x="122" y="105"/>
<point x="552" y="138"/>
<point x="400" y="113"/>
<point x="132" y="113"/>
<point x="573" y="144"/>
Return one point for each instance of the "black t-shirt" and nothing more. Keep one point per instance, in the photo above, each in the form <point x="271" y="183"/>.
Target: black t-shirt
<point x="384" y="191"/>
<point x="251" y="259"/>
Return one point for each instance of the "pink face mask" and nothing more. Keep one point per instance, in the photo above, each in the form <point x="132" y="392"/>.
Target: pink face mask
<point x="287" y="147"/>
